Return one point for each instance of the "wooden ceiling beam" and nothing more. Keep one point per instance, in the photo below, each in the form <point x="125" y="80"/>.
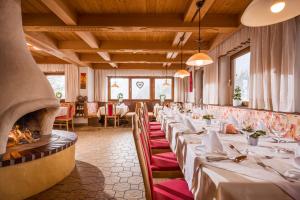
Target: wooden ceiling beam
<point x="125" y="58"/>
<point x="69" y="17"/>
<point x="61" y="10"/>
<point x="50" y="46"/>
<point x="139" y="23"/>
<point x="136" y="66"/>
<point x="128" y="47"/>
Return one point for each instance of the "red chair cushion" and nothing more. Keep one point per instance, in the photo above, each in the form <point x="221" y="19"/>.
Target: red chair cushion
<point x="164" y="162"/>
<point x="157" y="134"/>
<point x="154" y="123"/>
<point x="176" y="189"/>
<point x="110" y="109"/>
<point x="155" y="127"/>
<point x="159" y="144"/>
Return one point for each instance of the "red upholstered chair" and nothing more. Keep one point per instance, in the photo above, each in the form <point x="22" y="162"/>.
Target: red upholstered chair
<point x="69" y="117"/>
<point x="174" y="189"/>
<point x="152" y="126"/>
<point x="110" y="113"/>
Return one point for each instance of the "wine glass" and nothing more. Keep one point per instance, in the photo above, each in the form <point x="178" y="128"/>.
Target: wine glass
<point x="279" y="126"/>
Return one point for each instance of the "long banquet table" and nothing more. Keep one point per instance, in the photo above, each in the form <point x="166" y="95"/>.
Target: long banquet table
<point x="226" y="180"/>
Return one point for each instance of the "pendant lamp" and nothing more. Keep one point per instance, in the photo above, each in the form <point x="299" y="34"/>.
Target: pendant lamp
<point x="115" y="85"/>
<point x="199" y="59"/>
<point x="166" y="84"/>
<point x="182" y="73"/>
<point x="268" y="12"/>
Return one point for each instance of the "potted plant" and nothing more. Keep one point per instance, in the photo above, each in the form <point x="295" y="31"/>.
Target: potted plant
<point x="253" y="138"/>
<point x="208" y="118"/>
<point x="120" y="98"/>
<point x="237" y="96"/>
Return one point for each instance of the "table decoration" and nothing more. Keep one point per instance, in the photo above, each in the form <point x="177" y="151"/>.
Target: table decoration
<point x="253" y="138"/>
<point x="208" y="118"/>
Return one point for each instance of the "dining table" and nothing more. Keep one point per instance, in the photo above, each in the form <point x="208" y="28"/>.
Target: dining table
<point x="120" y="110"/>
<point x="267" y="171"/>
<point x="62" y="111"/>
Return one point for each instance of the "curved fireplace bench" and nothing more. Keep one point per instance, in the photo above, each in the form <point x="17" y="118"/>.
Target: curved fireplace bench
<point x="28" y="169"/>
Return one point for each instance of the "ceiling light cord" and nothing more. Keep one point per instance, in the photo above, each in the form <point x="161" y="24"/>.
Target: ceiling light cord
<point x="199" y="38"/>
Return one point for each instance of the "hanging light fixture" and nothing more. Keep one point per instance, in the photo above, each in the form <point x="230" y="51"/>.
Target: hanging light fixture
<point x="268" y="12"/>
<point x="115" y="85"/>
<point x="166" y="84"/>
<point x="199" y="59"/>
<point x="182" y="73"/>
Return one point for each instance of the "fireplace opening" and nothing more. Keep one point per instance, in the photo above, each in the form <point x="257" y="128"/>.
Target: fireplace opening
<point x="27" y="129"/>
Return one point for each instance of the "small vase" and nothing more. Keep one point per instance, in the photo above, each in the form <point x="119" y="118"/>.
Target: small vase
<point x="208" y="122"/>
<point x="252" y="141"/>
<point x="236" y="103"/>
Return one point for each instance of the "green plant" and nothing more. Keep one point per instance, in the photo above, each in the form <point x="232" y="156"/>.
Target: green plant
<point x="237" y="95"/>
<point x="258" y="133"/>
<point x="208" y="117"/>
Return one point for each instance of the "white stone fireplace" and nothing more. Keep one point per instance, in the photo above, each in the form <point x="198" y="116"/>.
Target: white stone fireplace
<point x="24" y="89"/>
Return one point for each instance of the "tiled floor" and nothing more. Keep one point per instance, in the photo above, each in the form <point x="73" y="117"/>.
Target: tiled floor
<point x="106" y="168"/>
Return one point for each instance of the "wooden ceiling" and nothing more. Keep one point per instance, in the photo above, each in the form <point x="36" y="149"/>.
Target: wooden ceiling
<point x="128" y="34"/>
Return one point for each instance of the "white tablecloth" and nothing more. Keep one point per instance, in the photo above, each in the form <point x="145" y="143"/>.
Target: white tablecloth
<point x="121" y="110"/>
<point x="226" y="179"/>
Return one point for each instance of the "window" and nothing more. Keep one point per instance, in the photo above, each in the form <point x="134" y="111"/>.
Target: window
<point x="140" y="88"/>
<point x="123" y="84"/>
<point x="241" y="69"/>
<point x="58" y="84"/>
<point x="160" y="89"/>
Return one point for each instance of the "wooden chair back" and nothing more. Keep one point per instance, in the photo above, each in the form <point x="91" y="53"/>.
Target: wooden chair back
<point x="142" y="159"/>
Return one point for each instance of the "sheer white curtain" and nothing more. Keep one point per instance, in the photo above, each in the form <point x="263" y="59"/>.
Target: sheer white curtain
<point x="72" y="82"/>
<point x="272" y="67"/>
<point x="210" y="80"/>
<point x="101" y="81"/>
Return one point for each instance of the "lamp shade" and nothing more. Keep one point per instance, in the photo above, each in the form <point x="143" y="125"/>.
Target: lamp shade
<point x="199" y="59"/>
<point x="114" y="85"/>
<point x="268" y="12"/>
<point x="182" y="74"/>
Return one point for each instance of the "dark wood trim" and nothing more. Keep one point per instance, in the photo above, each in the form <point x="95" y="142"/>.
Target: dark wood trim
<point x="232" y="71"/>
<point x="152" y="87"/>
<point x="54" y="73"/>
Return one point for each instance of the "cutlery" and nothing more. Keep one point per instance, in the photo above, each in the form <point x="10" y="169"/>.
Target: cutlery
<point x="236" y="159"/>
<point x="267" y="167"/>
<point x="234" y="148"/>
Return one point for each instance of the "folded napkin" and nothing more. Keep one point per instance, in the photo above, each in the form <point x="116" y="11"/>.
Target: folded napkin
<point x="297" y="156"/>
<point x="212" y="143"/>
<point x="261" y="126"/>
<point x="187" y="122"/>
<point x="233" y="120"/>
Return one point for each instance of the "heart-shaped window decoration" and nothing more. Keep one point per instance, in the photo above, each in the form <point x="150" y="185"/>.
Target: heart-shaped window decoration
<point x="140" y="84"/>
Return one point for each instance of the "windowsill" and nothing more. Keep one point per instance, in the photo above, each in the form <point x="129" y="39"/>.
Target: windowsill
<point x="247" y="108"/>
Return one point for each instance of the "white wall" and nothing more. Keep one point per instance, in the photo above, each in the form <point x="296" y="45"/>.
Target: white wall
<point x="89" y="91"/>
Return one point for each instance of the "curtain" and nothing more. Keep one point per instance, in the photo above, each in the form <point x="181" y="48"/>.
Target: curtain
<point x="52" y="68"/>
<point x="72" y="82"/>
<point x="210" y="80"/>
<point x="101" y="81"/>
<point x="272" y="67"/>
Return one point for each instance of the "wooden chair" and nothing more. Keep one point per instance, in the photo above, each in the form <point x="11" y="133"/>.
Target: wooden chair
<point x="111" y="113"/>
<point x="69" y="117"/>
<point x="174" y="189"/>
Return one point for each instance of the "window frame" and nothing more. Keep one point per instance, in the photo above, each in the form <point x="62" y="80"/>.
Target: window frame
<point x="152" y="87"/>
<point x="56" y="74"/>
<point x="172" y="89"/>
<point x="232" y="70"/>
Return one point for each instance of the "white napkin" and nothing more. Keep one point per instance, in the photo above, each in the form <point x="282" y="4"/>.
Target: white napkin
<point x="233" y="121"/>
<point x="297" y="156"/>
<point x="190" y="125"/>
<point x="261" y="126"/>
<point x="212" y="143"/>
